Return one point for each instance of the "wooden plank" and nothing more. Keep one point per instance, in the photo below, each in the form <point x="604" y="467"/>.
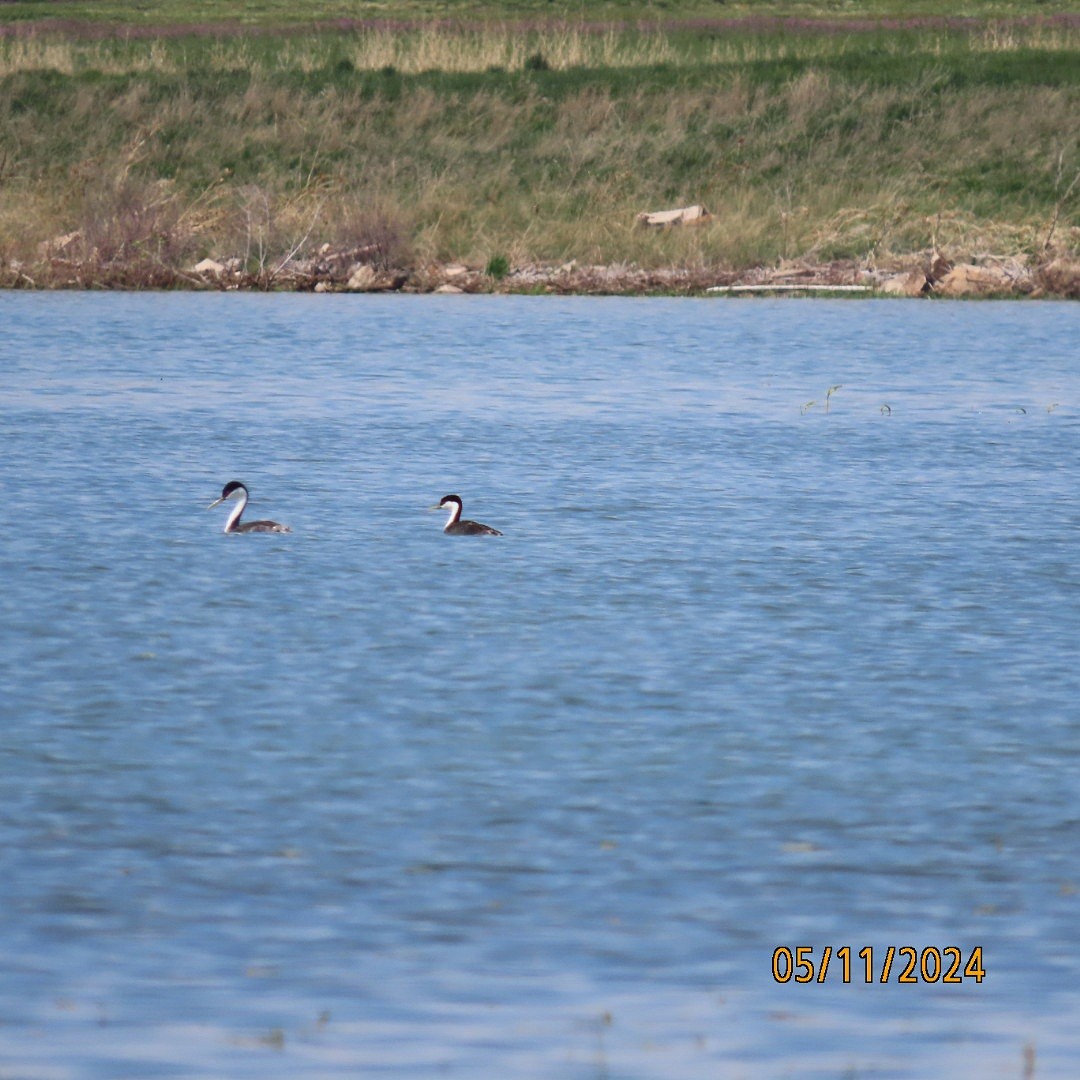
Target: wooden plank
<point x="788" y="288"/>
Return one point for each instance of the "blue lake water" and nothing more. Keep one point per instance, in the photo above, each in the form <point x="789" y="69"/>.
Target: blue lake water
<point x="755" y="666"/>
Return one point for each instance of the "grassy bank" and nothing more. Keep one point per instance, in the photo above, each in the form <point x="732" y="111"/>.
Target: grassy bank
<point x="126" y="158"/>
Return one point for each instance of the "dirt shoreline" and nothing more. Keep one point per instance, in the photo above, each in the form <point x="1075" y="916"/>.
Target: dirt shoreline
<point x="354" y="271"/>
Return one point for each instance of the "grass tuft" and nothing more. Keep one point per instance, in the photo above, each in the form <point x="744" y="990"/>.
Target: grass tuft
<point x="498" y="266"/>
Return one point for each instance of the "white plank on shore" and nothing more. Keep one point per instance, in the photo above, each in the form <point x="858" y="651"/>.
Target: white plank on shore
<point x="789" y="288"/>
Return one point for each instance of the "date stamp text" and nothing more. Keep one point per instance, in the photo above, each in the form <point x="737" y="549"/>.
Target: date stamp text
<point x="903" y="964"/>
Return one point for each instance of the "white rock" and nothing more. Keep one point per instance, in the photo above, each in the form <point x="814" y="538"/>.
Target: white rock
<point x="361" y="279"/>
<point x="909" y="284"/>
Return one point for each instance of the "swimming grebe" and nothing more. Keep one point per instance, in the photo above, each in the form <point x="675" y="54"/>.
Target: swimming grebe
<point x="235" y="490"/>
<point x="455" y="526"/>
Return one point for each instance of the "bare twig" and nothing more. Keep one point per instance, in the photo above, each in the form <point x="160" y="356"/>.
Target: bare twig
<point x="1059" y="205"/>
<point x="297" y="246"/>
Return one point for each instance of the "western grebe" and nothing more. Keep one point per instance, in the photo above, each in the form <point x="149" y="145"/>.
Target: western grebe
<point x="235" y="490"/>
<point x="455" y="526"/>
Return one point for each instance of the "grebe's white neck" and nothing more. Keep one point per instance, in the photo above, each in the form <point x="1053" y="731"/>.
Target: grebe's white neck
<point x="241" y="498"/>
<point x="455" y="512"/>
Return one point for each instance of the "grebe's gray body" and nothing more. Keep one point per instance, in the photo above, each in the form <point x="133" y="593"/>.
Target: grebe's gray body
<point x="236" y="490"/>
<point x="455" y="526"/>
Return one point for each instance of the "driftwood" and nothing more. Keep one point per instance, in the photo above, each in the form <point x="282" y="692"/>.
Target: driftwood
<point x="685" y="215"/>
<point x="787" y="288"/>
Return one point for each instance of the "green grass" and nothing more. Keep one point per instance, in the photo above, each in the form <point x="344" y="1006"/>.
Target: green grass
<point x="452" y="143"/>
